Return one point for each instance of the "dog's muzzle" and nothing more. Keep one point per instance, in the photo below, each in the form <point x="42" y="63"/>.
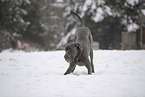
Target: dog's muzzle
<point x="67" y="59"/>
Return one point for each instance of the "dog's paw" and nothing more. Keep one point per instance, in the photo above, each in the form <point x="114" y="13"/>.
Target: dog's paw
<point x="89" y="73"/>
<point x="93" y="71"/>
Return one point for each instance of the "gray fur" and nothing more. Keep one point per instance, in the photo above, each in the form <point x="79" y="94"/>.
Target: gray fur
<point x="78" y="51"/>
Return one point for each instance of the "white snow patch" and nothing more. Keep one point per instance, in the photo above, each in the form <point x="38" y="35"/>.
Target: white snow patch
<point x="24" y="12"/>
<point x="108" y="10"/>
<point x="59" y="1"/>
<point x="28" y="1"/>
<point x="99" y="15"/>
<point x="133" y="2"/>
<point x="40" y="74"/>
<point x="21" y="20"/>
<point x="58" y="4"/>
<point x="132" y="27"/>
<point x="86" y="4"/>
<point x="143" y="11"/>
<point x="64" y="40"/>
<point x="76" y="6"/>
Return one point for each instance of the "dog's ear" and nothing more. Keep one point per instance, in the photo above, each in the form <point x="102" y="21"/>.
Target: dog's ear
<point x="67" y="46"/>
<point x="78" y="46"/>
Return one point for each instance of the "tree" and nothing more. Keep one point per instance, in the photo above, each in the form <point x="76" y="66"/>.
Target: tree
<point x="34" y="30"/>
<point x="111" y="14"/>
<point x="12" y="23"/>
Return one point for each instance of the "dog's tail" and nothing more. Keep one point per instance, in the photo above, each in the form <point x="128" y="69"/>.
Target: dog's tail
<point x="79" y="18"/>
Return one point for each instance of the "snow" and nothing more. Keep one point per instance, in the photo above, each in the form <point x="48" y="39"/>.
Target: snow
<point x="132" y="27"/>
<point x="58" y="4"/>
<point x="86" y="4"/>
<point x="65" y="39"/>
<point x="40" y="74"/>
<point x="143" y="11"/>
<point x="99" y="15"/>
<point x="28" y="1"/>
<point x="108" y="10"/>
<point x="59" y="1"/>
<point x="24" y="12"/>
<point x="133" y="2"/>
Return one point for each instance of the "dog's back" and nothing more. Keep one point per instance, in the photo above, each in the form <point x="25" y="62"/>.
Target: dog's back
<point x="83" y="35"/>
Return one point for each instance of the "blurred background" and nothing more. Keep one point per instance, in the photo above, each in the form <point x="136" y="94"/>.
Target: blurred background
<point x="49" y="25"/>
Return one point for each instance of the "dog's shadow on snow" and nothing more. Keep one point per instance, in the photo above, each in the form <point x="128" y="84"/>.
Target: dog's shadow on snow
<point x="78" y="73"/>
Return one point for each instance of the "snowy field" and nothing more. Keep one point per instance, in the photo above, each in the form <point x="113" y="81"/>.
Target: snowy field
<point x="40" y="74"/>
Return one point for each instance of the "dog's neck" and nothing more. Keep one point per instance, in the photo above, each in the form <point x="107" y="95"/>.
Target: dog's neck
<point x="78" y="56"/>
<point x="80" y="53"/>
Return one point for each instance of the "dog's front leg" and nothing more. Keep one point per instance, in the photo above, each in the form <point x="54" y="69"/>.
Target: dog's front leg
<point x="70" y="69"/>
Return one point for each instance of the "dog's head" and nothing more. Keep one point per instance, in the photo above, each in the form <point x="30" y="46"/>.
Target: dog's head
<point x="72" y="50"/>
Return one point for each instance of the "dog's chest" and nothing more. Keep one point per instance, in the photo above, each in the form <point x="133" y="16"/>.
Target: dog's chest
<point x="80" y="63"/>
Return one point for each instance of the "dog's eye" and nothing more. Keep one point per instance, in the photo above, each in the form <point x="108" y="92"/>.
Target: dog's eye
<point x="67" y="49"/>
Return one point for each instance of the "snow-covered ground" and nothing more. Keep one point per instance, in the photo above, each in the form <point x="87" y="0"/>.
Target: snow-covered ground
<point x="40" y="74"/>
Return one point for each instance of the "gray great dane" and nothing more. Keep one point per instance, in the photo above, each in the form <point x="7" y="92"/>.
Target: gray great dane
<point x="78" y="51"/>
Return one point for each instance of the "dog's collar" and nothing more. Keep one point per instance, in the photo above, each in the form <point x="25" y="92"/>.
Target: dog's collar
<point x="80" y="54"/>
<point x="80" y="51"/>
<point x="78" y="57"/>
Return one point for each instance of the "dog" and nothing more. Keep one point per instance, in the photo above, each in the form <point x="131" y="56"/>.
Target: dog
<point x="78" y="51"/>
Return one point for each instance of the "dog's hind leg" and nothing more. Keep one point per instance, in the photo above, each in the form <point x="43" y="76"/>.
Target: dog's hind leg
<point x="88" y="66"/>
<point x="91" y="57"/>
